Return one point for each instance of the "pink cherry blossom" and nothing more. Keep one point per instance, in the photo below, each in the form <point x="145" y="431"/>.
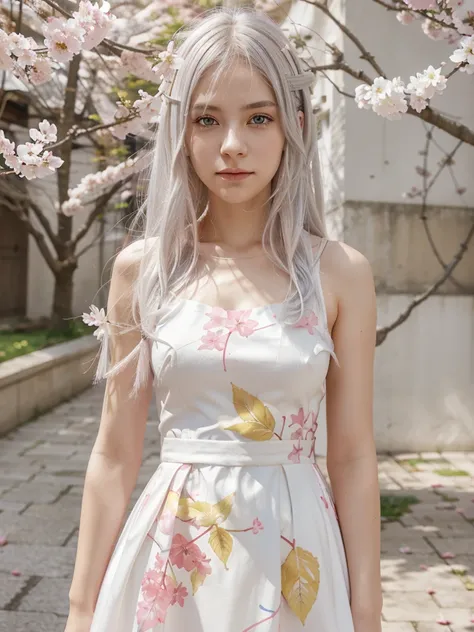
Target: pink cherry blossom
<point x="40" y="72"/>
<point x="46" y="133"/>
<point x="95" y="21"/>
<point x="7" y="147"/>
<point x="297" y="434"/>
<point x="448" y="555"/>
<point x="443" y="621"/>
<point x="3" y="540"/>
<point x="405" y="549"/>
<point x="63" y="38"/>
<point x="431" y="591"/>
<point x="256" y="526"/>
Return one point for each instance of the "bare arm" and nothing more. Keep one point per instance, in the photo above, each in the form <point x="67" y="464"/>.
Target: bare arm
<point x="351" y="458"/>
<point x="117" y="452"/>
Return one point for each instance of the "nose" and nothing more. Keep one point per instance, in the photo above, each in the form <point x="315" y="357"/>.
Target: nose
<point x="233" y="143"/>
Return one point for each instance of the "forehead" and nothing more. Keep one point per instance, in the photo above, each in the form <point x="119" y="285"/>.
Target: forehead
<point x="236" y="83"/>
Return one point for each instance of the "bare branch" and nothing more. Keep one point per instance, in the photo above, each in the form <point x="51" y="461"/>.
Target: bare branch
<point x="383" y="332"/>
<point x="97" y="210"/>
<point x="322" y="6"/>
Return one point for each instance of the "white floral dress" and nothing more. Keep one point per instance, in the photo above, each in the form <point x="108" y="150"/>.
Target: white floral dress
<point x="237" y="529"/>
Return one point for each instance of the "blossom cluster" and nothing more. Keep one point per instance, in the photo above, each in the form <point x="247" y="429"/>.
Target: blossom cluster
<point x="95" y="184"/>
<point x="87" y="28"/>
<point x="17" y="54"/>
<point x="388" y="98"/>
<point x="447" y="19"/>
<point x="31" y="160"/>
<point x="144" y="110"/>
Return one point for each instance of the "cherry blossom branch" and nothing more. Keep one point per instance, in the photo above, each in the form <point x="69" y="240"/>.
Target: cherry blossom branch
<point x="113" y="46"/>
<point x="382" y="332"/>
<point x="399" y="8"/>
<point x="429" y="115"/>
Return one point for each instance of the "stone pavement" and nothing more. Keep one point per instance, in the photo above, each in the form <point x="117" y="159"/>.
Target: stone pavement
<point x="427" y="553"/>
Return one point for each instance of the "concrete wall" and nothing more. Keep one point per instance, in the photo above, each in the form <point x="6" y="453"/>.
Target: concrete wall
<point x="424" y="372"/>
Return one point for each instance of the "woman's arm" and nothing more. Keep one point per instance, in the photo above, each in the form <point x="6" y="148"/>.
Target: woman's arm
<point x="351" y="456"/>
<point x="117" y="452"/>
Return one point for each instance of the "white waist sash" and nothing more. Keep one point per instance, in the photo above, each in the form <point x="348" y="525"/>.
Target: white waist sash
<point x="235" y="453"/>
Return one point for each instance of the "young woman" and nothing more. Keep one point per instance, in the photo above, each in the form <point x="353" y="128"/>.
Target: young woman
<point x="236" y="312"/>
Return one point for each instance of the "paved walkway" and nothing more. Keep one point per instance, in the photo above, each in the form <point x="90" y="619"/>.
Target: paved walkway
<point x="428" y="554"/>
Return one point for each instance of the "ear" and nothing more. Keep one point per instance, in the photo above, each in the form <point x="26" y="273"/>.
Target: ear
<point x="301" y="119"/>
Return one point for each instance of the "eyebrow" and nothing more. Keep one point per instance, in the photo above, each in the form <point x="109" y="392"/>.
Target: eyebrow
<point x="249" y="106"/>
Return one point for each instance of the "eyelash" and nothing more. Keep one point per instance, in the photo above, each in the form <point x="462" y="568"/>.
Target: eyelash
<point x="267" y="122"/>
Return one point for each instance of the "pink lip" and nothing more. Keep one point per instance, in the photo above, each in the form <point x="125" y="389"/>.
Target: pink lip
<point x="233" y="171"/>
<point x="232" y="177"/>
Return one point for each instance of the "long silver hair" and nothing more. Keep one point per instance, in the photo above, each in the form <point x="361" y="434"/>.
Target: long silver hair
<point x="176" y="200"/>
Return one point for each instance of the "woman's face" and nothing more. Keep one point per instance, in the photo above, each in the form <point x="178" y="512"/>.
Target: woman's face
<point x="239" y="129"/>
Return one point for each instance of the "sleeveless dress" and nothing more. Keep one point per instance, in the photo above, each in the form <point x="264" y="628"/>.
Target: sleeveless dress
<point x="237" y="529"/>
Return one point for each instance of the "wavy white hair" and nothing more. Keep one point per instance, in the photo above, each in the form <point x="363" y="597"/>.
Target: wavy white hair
<point x="176" y="200"/>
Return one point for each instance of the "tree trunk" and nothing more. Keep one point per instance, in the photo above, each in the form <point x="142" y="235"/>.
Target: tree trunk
<point x="63" y="297"/>
<point x="63" y="290"/>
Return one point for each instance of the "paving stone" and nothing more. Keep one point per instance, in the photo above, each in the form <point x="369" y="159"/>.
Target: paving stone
<point x="12" y="506"/>
<point x="409" y="606"/>
<point x="458" y="546"/>
<point x="18" y="474"/>
<point x="31" y="622"/>
<point x="44" y="561"/>
<point x="29" y="529"/>
<point x="405" y="573"/>
<point x="49" y="449"/>
<point x="9" y="587"/>
<point x="49" y="595"/>
<point x="397" y="627"/>
<point x="454" y="598"/>
<point x="34" y="492"/>
<point x="58" y="511"/>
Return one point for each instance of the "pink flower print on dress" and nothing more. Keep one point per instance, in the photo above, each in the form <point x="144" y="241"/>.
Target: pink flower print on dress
<point x="214" y="340"/>
<point x="217" y="318"/>
<point x="308" y="322"/>
<point x="297" y="434"/>
<point x="157" y="591"/>
<point x="185" y="554"/>
<point x="294" y="455"/>
<point x="298" y="419"/>
<point x="202" y="563"/>
<point x="179" y="595"/>
<point x="238" y="320"/>
<point x="257" y="526"/>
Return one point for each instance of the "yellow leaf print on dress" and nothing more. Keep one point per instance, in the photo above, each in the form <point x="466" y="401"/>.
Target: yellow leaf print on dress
<point x="205" y="514"/>
<point x="258" y="422"/>
<point x="221" y="542"/>
<point x="300" y="581"/>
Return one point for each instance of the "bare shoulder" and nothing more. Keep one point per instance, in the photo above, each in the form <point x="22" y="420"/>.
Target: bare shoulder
<point x="127" y="262"/>
<point x="347" y="279"/>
